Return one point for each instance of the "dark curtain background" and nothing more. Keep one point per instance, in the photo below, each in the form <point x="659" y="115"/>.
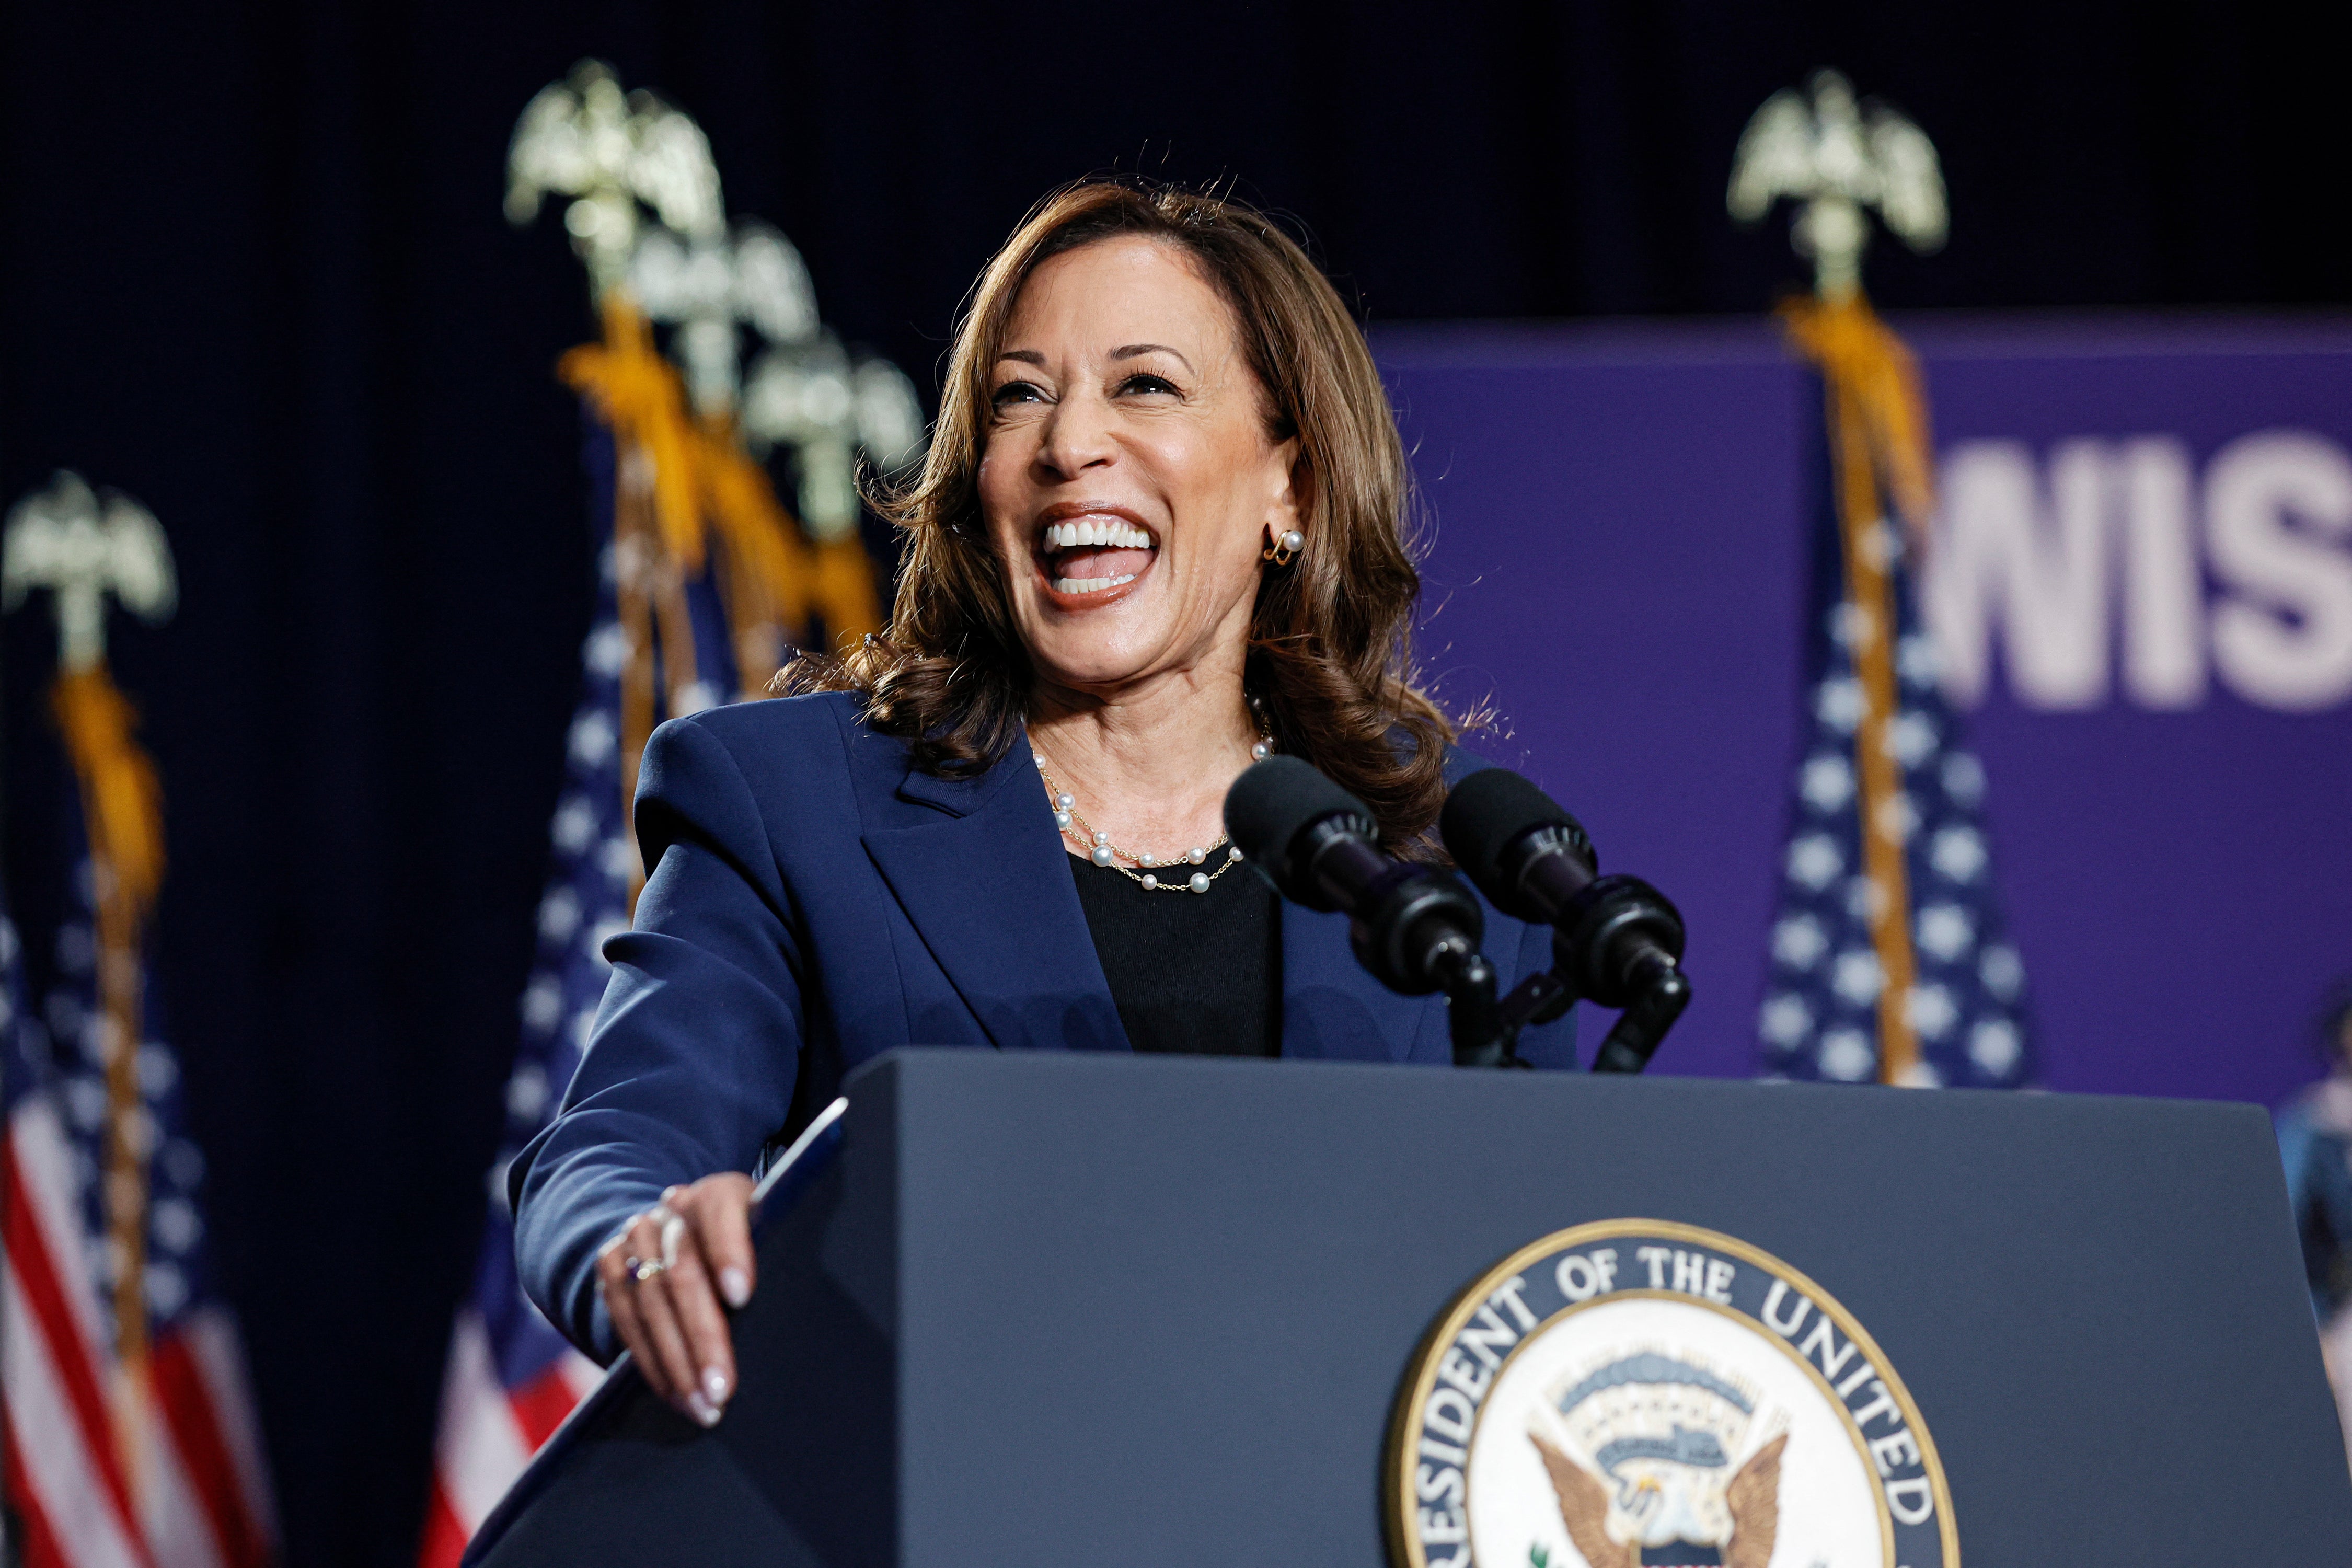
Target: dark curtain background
<point x="253" y="273"/>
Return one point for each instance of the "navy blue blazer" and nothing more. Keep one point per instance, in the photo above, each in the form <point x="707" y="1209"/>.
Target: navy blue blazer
<point x="814" y="901"/>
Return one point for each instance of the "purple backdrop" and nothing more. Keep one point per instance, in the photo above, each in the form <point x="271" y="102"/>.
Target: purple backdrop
<point x="2142" y="584"/>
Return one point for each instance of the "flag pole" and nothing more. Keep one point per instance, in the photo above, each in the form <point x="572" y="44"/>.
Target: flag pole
<point x="1841" y="159"/>
<point x="85" y="549"/>
<point x="1878" y="444"/>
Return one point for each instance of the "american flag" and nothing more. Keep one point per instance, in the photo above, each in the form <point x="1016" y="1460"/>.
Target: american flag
<point x="140" y="1449"/>
<point x="1895" y="968"/>
<point x="511" y="1378"/>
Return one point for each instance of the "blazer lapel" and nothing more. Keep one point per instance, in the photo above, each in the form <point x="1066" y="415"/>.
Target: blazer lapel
<point x="985" y="883"/>
<point x="1332" y="1008"/>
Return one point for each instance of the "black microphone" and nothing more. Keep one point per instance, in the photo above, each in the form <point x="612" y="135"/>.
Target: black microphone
<point x="1616" y="939"/>
<point x="1414" y="926"/>
<point x="1522" y="848"/>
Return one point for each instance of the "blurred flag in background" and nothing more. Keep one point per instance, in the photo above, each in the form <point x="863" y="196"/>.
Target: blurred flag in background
<point x="1889" y="958"/>
<point x="704" y="584"/>
<point x="131" y="1438"/>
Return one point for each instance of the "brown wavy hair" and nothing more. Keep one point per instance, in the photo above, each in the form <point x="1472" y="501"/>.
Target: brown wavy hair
<point x="1330" y="653"/>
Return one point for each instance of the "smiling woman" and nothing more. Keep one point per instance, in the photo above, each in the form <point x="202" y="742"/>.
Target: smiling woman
<point x="1171" y="350"/>
<point x="1157" y="535"/>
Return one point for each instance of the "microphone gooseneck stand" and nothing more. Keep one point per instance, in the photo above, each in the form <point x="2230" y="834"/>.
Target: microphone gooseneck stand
<point x="1623" y="954"/>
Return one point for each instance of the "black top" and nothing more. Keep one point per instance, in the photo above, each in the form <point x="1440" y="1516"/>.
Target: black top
<point x="1190" y="972"/>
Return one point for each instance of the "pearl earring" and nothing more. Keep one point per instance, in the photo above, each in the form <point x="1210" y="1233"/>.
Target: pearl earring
<point x="1283" y="549"/>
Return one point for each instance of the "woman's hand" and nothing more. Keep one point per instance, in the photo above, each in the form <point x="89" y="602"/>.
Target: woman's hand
<point x="663" y="1275"/>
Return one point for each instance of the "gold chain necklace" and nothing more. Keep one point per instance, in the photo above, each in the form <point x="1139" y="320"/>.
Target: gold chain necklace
<point x="1143" y="869"/>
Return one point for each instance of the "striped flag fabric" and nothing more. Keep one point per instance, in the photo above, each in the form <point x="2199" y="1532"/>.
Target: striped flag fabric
<point x="131" y="1438"/>
<point x="1890" y="960"/>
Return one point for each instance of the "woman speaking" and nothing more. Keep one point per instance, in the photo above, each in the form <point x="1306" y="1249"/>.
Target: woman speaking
<point x="1157" y="535"/>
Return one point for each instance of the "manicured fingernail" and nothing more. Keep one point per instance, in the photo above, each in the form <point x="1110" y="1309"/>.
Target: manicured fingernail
<point x="714" y="1385"/>
<point x="735" y="1285"/>
<point x="701" y="1409"/>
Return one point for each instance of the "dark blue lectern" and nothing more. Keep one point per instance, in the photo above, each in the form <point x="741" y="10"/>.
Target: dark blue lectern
<point x="1122" y="1312"/>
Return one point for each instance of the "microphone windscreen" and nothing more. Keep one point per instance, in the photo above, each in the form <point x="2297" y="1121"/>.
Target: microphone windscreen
<point x="1485" y="815"/>
<point x="1272" y="802"/>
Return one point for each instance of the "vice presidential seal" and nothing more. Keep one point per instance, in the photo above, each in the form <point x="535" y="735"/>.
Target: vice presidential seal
<point x="1637" y="1392"/>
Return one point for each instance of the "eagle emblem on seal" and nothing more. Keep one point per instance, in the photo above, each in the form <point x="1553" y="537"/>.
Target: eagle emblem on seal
<point x="1639" y="1449"/>
<point x="1647" y="1394"/>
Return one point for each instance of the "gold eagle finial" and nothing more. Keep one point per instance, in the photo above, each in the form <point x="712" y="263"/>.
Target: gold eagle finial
<point x="1841" y="159"/>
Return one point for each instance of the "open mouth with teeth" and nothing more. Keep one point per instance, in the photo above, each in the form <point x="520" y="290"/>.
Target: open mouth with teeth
<point x="1090" y="558"/>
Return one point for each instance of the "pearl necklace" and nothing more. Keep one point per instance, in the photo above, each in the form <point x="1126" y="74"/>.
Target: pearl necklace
<point x="1146" y="868"/>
